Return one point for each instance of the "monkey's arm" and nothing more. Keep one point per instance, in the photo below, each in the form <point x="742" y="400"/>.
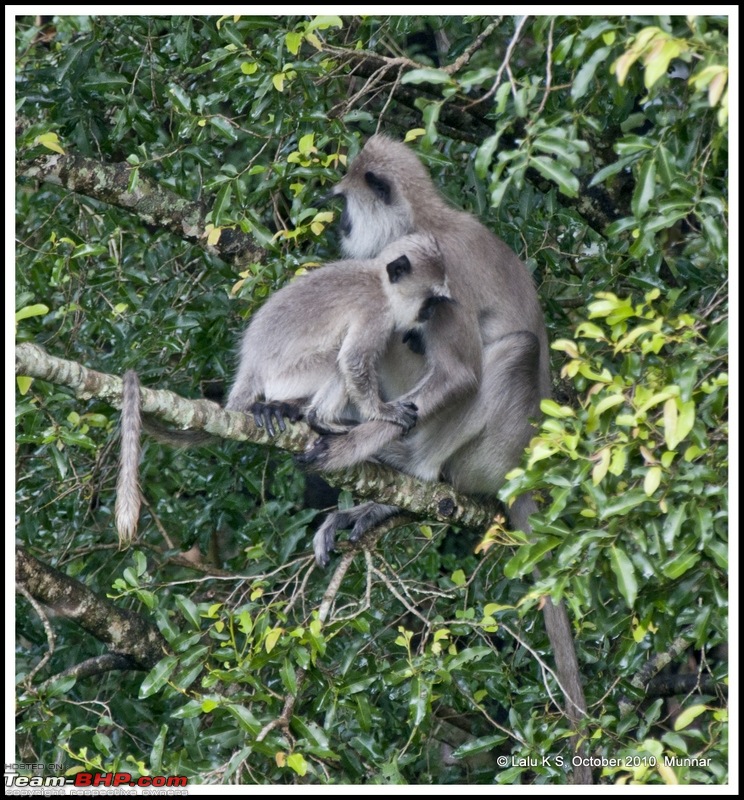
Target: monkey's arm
<point x="358" y="359"/>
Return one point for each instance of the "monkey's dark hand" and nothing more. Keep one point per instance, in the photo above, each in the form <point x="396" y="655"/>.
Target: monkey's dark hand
<point x="401" y="413"/>
<point x="266" y="415"/>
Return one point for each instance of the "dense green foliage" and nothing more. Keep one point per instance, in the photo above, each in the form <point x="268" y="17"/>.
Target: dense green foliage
<point x="599" y="154"/>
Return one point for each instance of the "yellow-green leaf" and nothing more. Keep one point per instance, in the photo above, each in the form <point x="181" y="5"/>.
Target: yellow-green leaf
<point x="588" y="330"/>
<point x="51" y="142"/>
<point x="552" y="409"/>
<point x="414" y="134"/>
<point x="658" y="58"/>
<point x="567" y="346"/>
<point x="689" y="715"/>
<point x="671" y="418"/>
<point x="293" y="40"/>
<point x="686" y="418"/>
<point x="24" y="383"/>
<point x="272" y="637"/>
<point x="622" y="566"/>
<point x="602" y="465"/>
<point x="297" y="762"/>
<point x="306" y="144"/>
<point x="458" y="577"/>
<point x="214" y="236"/>
<point x="36" y="310"/>
<point x="248" y="68"/>
<point x="652" y="480"/>
<point x="278" y="81"/>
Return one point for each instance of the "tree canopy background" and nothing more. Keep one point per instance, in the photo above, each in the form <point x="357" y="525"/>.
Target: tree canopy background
<point x="597" y="149"/>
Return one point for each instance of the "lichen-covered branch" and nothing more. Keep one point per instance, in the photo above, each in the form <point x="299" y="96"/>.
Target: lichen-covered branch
<point x="123" y="632"/>
<point x="153" y="204"/>
<point x="432" y="501"/>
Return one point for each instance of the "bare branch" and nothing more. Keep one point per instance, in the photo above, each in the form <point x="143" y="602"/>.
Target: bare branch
<point x="124" y="632"/>
<point x="433" y="501"/>
<point x="153" y="204"/>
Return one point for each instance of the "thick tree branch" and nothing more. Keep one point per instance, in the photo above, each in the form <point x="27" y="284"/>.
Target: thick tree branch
<point x="153" y="204"/>
<point x="123" y="632"/>
<point x="433" y="501"/>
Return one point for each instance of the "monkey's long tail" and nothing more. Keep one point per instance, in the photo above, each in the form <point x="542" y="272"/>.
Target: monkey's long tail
<point x="128" y="496"/>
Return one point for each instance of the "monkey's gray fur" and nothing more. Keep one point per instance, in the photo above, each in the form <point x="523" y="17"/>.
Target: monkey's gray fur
<point x="315" y="345"/>
<point x="128" y="496"/>
<point x="472" y="440"/>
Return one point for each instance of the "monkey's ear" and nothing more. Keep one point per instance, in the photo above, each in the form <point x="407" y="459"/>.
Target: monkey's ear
<point x="429" y="306"/>
<point x="379" y="186"/>
<point x="398" y="268"/>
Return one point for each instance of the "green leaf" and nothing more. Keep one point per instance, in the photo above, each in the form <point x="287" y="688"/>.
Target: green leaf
<point x="180" y="99"/>
<point x="625" y="574"/>
<point x="426" y="75"/>
<point x="36" y="310"/>
<point x="418" y="702"/>
<point x="189" y="610"/>
<point x="224" y="128"/>
<point x="645" y="188"/>
<point x="245" y="718"/>
<point x="484" y="156"/>
<point x="158" y="676"/>
<point x="567" y="182"/>
<point x="482" y="744"/>
<point x="586" y="73"/>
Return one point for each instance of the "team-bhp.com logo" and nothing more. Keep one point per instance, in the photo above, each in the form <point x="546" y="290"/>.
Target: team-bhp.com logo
<point x="91" y="780"/>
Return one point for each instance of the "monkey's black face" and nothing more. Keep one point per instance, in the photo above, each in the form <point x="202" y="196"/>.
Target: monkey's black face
<point x="345" y="223"/>
<point x="381" y="188"/>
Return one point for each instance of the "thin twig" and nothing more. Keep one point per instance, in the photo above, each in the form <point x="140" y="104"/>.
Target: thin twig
<point x="548" y="69"/>
<point x="504" y="65"/>
<point x="464" y="57"/>
<point x="47" y="630"/>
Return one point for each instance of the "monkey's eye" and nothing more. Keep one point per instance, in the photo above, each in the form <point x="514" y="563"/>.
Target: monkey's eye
<point x="379" y="186"/>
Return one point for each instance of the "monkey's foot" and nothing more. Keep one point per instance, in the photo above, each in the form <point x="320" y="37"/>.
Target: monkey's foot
<point x="360" y="519"/>
<point x="268" y="414"/>
<point x="313" y="457"/>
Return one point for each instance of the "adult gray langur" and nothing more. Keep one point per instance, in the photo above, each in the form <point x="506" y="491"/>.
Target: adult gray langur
<point x="473" y="440"/>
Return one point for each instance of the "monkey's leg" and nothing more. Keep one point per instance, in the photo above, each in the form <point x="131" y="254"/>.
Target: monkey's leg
<point x="360" y="519"/>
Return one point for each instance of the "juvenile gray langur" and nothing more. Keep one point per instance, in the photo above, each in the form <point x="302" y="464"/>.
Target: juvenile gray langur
<point x="313" y="348"/>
